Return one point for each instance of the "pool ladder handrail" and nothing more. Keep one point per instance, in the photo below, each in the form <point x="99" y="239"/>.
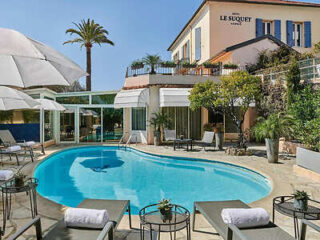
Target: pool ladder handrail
<point x="127" y="144"/>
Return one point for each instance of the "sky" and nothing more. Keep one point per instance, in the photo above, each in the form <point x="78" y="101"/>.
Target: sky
<point x="137" y="27"/>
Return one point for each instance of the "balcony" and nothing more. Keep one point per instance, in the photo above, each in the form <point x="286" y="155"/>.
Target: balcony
<point x="169" y="73"/>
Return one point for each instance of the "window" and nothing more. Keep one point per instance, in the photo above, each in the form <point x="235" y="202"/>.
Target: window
<point x="103" y="99"/>
<point x="138" y="118"/>
<point x="185" y="52"/>
<point x="297" y="34"/>
<point x="266" y="28"/>
<point x="198" y="43"/>
<point x="176" y="57"/>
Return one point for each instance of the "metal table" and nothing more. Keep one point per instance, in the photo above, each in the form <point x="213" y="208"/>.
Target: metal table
<point x="8" y="188"/>
<point x="179" y="142"/>
<point x="284" y="205"/>
<point x="150" y="219"/>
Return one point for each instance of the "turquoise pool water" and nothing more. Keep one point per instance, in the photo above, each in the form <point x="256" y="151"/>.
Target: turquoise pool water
<point x="105" y="172"/>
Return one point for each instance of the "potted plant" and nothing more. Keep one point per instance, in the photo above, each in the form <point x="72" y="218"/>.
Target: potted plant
<point x="19" y="179"/>
<point x="152" y="61"/>
<point x="300" y="200"/>
<point x="230" y="66"/>
<point x="168" y="64"/>
<point x="158" y="122"/>
<point x="271" y="129"/>
<point x="210" y="65"/>
<point x="138" y="64"/>
<point x="189" y="65"/>
<point x="219" y="132"/>
<point x="165" y="208"/>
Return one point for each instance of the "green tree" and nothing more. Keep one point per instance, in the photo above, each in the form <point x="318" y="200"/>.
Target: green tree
<point x="240" y="89"/>
<point x="152" y="61"/>
<point x="89" y="33"/>
<point x="293" y="81"/>
<point x="317" y="47"/>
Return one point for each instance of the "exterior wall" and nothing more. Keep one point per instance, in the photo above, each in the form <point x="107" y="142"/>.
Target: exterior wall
<point x="225" y="34"/>
<point x="248" y="55"/>
<point x="154" y="107"/>
<point x="145" y="80"/>
<point x="203" y="21"/>
<point x="204" y="118"/>
<point x="218" y="34"/>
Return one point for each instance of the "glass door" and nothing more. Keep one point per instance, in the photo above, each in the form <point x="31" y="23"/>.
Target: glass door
<point x="112" y="124"/>
<point x="90" y="124"/>
<point x="67" y="121"/>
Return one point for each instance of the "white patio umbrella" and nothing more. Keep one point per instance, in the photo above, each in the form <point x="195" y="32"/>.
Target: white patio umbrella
<point x="25" y="62"/>
<point x="11" y="99"/>
<point x="50" y="105"/>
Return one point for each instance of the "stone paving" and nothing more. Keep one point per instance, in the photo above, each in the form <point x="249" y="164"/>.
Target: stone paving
<point x="284" y="182"/>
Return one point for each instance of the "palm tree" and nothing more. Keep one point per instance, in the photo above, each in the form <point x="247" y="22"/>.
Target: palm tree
<point x="152" y="61"/>
<point x="88" y="33"/>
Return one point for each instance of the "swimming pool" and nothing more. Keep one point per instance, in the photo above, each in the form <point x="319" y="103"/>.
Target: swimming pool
<point x="106" y="172"/>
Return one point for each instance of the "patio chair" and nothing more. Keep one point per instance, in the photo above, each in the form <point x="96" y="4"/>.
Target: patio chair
<point x="211" y="210"/>
<point x="7" y="138"/>
<point x="303" y="228"/>
<point x="169" y="135"/>
<point x="207" y="140"/>
<point x="13" y="151"/>
<point x="115" y="208"/>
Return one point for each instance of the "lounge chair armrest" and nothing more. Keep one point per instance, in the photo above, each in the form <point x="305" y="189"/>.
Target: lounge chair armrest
<point x="20" y="141"/>
<point x="232" y="229"/>
<point x="107" y="230"/>
<point x="36" y="222"/>
<point x="303" y="228"/>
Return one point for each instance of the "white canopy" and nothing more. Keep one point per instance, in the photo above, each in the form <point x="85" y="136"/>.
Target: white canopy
<point x="11" y="99"/>
<point x="50" y="105"/>
<point x="25" y="62"/>
<point x="132" y="98"/>
<point x="174" y="97"/>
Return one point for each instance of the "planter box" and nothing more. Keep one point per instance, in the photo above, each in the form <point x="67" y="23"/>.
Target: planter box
<point x="308" y="159"/>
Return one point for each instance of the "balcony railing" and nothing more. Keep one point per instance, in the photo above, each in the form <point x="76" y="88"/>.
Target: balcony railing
<point x="181" y="68"/>
<point x="309" y="71"/>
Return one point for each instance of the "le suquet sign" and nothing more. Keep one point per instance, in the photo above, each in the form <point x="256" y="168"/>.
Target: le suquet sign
<point x="235" y="19"/>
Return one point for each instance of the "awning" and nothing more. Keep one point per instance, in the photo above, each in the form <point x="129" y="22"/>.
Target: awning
<point x="132" y="98"/>
<point x="174" y="97"/>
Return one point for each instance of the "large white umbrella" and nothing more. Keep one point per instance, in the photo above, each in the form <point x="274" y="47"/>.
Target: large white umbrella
<point x="25" y="62"/>
<point x="50" y="105"/>
<point x="11" y="99"/>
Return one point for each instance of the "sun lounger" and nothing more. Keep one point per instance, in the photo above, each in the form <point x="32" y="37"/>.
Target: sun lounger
<point x="169" y="135"/>
<point x="12" y="151"/>
<point x="207" y="140"/>
<point x="211" y="211"/>
<point x="7" y="139"/>
<point x="115" y="208"/>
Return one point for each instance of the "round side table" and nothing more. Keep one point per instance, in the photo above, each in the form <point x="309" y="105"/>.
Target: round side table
<point x="8" y="188"/>
<point x="150" y="219"/>
<point x="284" y="205"/>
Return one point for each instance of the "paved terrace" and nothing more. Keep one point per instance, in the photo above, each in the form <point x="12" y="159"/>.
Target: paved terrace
<point x="283" y="178"/>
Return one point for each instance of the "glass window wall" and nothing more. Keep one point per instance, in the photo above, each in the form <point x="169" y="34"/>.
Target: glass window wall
<point x="138" y="118"/>
<point x="67" y="125"/>
<point x="90" y="125"/>
<point x="112" y="124"/>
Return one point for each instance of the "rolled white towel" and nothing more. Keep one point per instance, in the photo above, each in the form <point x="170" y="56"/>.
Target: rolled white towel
<point x="6" y="175"/>
<point x="245" y="218"/>
<point x="27" y="144"/>
<point x="86" y="218"/>
<point x="13" y="149"/>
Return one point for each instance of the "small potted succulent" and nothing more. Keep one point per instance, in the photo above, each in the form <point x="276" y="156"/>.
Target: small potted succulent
<point x="219" y="130"/>
<point x="165" y="208"/>
<point x="168" y="64"/>
<point x="300" y="200"/>
<point x="19" y="179"/>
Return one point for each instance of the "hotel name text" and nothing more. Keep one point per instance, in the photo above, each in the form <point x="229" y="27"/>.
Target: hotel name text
<point x="235" y="19"/>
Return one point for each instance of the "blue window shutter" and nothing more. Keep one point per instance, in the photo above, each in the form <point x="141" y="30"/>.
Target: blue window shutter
<point x="290" y="33"/>
<point x="259" y="27"/>
<point x="277" y="29"/>
<point x="198" y="43"/>
<point x="307" y="35"/>
<point x="188" y="50"/>
<point x="182" y="53"/>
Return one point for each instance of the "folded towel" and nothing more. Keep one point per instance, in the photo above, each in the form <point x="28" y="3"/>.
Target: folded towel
<point x="86" y="218"/>
<point x="245" y="218"/>
<point x="13" y="149"/>
<point x="27" y="144"/>
<point x="6" y="175"/>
